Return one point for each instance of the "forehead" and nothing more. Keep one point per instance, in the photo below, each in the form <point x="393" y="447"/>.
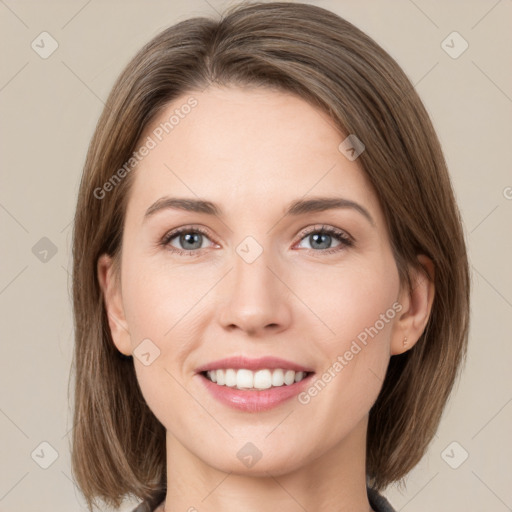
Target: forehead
<point x="246" y="147"/>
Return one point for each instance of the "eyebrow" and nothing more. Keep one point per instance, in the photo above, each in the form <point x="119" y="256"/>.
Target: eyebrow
<point x="295" y="208"/>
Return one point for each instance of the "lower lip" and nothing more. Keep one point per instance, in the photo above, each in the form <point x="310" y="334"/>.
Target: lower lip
<point x="254" y="400"/>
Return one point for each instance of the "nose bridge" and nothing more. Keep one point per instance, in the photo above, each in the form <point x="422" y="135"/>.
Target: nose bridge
<point x="257" y="298"/>
<point x="251" y="275"/>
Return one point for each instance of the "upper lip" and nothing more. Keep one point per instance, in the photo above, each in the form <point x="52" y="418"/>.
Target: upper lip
<point x="259" y="363"/>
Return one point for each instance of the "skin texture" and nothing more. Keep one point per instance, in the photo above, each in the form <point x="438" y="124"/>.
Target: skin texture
<point x="253" y="151"/>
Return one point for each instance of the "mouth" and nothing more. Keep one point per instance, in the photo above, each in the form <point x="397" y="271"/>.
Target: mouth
<point x="254" y="385"/>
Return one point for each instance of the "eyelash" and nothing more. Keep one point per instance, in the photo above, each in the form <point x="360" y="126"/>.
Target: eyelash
<point x="341" y="236"/>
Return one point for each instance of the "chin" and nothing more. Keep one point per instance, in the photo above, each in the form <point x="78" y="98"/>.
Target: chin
<point x="248" y="460"/>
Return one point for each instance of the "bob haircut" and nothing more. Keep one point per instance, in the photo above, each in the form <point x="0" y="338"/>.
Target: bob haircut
<point x="118" y="445"/>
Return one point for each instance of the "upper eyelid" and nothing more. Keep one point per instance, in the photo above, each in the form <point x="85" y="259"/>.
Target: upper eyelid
<point x="327" y="228"/>
<point x="305" y="232"/>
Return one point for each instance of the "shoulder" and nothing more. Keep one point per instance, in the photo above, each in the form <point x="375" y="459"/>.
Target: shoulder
<point x="146" y="507"/>
<point x="143" y="507"/>
<point x="378" y="502"/>
<point x="150" y="505"/>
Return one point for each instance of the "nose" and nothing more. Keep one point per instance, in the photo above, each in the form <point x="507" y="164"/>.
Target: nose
<point x="259" y="300"/>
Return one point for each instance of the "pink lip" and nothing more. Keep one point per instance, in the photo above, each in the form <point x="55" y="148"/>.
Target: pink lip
<point x="260" y="363"/>
<point x="254" y="400"/>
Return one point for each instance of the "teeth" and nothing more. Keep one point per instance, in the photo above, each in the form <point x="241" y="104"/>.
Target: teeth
<point x="299" y="376"/>
<point x="261" y="379"/>
<point x="277" y="378"/>
<point x="230" y="378"/>
<point x="244" y="379"/>
<point x="289" y="377"/>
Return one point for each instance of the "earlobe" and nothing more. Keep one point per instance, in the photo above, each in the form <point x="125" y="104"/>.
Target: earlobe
<point x="416" y="307"/>
<point x="112" y="298"/>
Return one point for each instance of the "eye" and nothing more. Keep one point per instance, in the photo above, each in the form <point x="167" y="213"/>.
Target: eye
<point x="189" y="240"/>
<point x="320" y="237"/>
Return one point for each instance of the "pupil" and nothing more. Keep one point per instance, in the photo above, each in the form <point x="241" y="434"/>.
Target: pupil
<point x="191" y="238"/>
<point x="318" y="235"/>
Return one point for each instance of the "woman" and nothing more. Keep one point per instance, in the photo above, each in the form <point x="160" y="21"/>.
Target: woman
<point x="299" y="353"/>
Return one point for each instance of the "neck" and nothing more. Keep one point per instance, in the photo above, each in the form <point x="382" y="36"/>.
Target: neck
<point x="333" y="481"/>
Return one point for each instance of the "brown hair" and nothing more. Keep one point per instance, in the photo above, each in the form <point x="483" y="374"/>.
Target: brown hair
<point x="118" y="446"/>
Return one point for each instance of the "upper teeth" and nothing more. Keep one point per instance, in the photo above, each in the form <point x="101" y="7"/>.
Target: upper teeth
<point x="261" y="379"/>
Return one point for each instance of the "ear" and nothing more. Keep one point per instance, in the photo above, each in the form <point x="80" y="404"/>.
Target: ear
<point x="110" y="284"/>
<point x="416" y="307"/>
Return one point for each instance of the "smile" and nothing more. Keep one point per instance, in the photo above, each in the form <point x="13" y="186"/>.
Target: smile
<point x="254" y="380"/>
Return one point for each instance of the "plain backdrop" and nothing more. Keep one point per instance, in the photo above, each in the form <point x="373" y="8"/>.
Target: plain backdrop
<point x="49" y="108"/>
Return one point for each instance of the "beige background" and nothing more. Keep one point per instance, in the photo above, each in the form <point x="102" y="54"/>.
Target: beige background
<point x="49" y="110"/>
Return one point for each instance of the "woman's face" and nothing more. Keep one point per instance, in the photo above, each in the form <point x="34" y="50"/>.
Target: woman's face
<point x="256" y="282"/>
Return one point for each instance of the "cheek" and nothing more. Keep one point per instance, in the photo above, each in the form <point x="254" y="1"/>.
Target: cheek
<point x="161" y="304"/>
<point x="159" y="299"/>
<point x="350" y="298"/>
<point x="358" y="306"/>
